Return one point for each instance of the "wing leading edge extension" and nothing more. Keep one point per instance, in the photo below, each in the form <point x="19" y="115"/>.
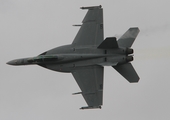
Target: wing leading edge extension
<point x="90" y="81"/>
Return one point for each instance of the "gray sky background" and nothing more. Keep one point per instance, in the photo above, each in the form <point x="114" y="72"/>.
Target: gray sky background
<point x="30" y="27"/>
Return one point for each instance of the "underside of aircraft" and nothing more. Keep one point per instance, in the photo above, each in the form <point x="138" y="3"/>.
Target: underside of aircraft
<point x="87" y="55"/>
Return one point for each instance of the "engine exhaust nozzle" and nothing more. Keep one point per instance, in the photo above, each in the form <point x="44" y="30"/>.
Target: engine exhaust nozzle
<point x="129" y="58"/>
<point x="129" y="51"/>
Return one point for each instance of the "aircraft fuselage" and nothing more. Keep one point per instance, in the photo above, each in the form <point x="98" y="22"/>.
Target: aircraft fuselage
<point x="66" y="58"/>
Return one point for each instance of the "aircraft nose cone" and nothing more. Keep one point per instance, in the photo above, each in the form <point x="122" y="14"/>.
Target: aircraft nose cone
<point x="12" y="62"/>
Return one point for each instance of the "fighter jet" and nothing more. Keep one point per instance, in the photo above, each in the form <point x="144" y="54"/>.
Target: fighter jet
<point x="87" y="55"/>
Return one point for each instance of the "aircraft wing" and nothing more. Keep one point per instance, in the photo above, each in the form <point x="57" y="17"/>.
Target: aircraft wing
<point x="91" y="31"/>
<point x="90" y="81"/>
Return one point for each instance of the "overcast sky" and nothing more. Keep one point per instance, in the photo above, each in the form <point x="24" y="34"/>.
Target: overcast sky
<point x="30" y="27"/>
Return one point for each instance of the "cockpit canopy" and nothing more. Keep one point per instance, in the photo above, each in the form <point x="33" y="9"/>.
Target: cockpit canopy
<point x="40" y="59"/>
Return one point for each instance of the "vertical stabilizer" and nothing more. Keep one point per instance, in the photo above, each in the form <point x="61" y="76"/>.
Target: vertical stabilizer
<point x="127" y="39"/>
<point x="109" y="43"/>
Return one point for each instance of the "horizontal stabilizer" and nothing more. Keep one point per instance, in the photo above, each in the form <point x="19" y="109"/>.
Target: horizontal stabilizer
<point x="128" y="72"/>
<point x="127" y="39"/>
<point x="109" y="43"/>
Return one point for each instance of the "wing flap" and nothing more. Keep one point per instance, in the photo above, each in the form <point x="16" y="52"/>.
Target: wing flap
<point x="91" y="31"/>
<point x="90" y="81"/>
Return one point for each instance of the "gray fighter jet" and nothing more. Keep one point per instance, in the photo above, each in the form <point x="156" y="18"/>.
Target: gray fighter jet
<point x="86" y="57"/>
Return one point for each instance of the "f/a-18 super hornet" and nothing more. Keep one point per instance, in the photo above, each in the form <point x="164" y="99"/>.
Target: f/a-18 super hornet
<point x="87" y="55"/>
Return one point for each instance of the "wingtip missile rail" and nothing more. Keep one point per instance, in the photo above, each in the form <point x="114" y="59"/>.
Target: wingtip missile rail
<point x="91" y="107"/>
<point x="91" y="7"/>
<point x="77" y="25"/>
<point x="76" y="93"/>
